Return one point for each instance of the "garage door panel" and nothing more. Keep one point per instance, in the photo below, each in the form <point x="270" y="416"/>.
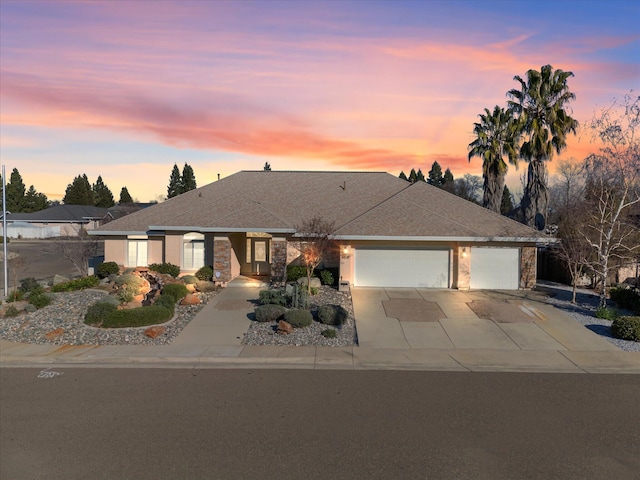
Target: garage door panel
<point x="425" y="268"/>
<point x="495" y="268"/>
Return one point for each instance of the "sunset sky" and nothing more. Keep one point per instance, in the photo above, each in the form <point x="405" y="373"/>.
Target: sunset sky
<point x="125" y="89"/>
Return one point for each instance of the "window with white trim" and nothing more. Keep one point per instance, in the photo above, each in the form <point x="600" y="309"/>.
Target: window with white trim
<point x="137" y="253"/>
<point x="193" y="251"/>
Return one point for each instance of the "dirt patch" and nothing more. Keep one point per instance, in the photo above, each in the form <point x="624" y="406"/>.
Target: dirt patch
<point x="501" y="311"/>
<point x="413" y="310"/>
<point x="234" y="305"/>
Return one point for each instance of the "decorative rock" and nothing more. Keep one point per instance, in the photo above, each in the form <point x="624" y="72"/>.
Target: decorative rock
<point x="155" y="332"/>
<point x="138" y="298"/>
<point x="284" y="328"/>
<point x="315" y="282"/>
<point x="54" y="334"/>
<point x="59" y="279"/>
<point x="190" y="300"/>
<point x="190" y="287"/>
<point x="140" y="270"/>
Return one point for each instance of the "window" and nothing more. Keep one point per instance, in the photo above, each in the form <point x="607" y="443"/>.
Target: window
<point x="137" y="253"/>
<point x="193" y="251"/>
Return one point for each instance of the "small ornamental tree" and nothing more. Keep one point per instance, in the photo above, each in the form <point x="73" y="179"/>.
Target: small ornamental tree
<point x="314" y="240"/>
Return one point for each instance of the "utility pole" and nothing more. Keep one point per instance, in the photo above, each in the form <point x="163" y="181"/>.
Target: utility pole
<point x="4" y="232"/>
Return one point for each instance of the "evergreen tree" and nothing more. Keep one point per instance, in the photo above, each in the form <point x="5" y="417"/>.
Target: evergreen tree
<point x="34" y="201"/>
<point x="79" y="192"/>
<point x="435" y="175"/>
<point x="507" y="201"/>
<point x="188" y="179"/>
<point x="175" y="183"/>
<point x="448" y="182"/>
<point x="403" y="176"/>
<point x="267" y="167"/>
<point x="124" y="196"/>
<point x="15" y="192"/>
<point x="420" y="176"/>
<point x="102" y="195"/>
<point x="413" y="176"/>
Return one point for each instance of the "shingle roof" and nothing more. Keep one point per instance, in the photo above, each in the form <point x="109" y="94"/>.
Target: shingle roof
<point x="61" y="214"/>
<point x="362" y="204"/>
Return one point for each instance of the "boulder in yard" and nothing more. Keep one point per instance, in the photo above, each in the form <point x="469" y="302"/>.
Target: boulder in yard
<point x="284" y="328"/>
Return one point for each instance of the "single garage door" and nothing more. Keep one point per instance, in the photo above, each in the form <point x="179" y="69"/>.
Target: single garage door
<point x="495" y="268"/>
<point x="401" y="268"/>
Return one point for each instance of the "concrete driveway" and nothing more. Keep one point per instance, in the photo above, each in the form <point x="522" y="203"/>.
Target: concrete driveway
<point x="410" y="318"/>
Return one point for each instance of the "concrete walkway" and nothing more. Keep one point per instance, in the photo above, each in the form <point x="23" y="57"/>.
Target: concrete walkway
<point x="437" y="330"/>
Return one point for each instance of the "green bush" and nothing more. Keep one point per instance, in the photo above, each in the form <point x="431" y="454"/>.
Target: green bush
<point x="189" y="279"/>
<point x="314" y="290"/>
<point x="329" y="333"/>
<point x="332" y="314"/>
<point x="110" y="299"/>
<point x="137" y="317"/>
<point x="37" y="290"/>
<point x="27" y="285"/>
<point x="11" y="311"/>
<point x="126" y="292"/>
<point x="15" y="296"/>
<point x="327" y="277"/>
<point x="2" y="239"/>
<point x="39" y="300"/>
<point x="206" y="286"/>
<point x="298" y="317"/>
<point x="105" y="269"/>
<point x="274" y="297"/>
<point x="176" y="290"/>
<point x="78" y="284"/>
<point x="205" y="273"/>
<point x="606" y="313"/>
<point x="294" y="272"/>
<point x="269" y="312"/>
<point x="626" y="328"/>
<point x="28" y="308"/>
<point x="165" y="268"/>
<point x="626" y="298"/>
<point x="166" y="301"/>
<point x="129" y="279"/>
<point x="98" y="313"/>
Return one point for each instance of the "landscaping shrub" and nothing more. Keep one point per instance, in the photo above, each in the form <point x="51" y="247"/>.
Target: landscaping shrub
<point x="190" y="279"/>
<point x="11" y="311"/>
<point x="626" y="298"/>
<point x="269" y="313"/>
<point x="314" y="290"/>
<point x="126" y="292"/>
<point x="166" y="268"/>
<point x="327" y="277"/>
<point x="298" y="317"/>
<point x="27" y="285"/>
<point x="606" y="313"/>
<point x="274" y="297"/>
<point x="205" y="273"/>
<point x="166" y="301"/>
<point x="137" y="317"/>
<point x="78" y="284"/>
<point x="37" y="290"/>
<point x="98" y="313"/>
<point x="206" y="286"/>
<point x="28" y="308"/>
<point x="332" y="314"/>
<point x="39" y="300"/>
<point x="129" y="279"/>
<point x="329" y="333"/>
<point x="294" y="272"/>
<point x="176" y="290"/>
<point x="15" y="296"/>
<point x="626" y="328"/>
<point x="105" y="269"/>
<point x="110" y="299"/>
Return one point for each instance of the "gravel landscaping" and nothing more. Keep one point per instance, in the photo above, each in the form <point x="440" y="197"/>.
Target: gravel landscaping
<point x="346" y="335"/>
<point x="584" y="312"/>
<point x="66" y="313"/>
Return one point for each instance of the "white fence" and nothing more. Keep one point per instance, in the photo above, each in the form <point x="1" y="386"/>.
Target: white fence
<point x="27" y="231"/>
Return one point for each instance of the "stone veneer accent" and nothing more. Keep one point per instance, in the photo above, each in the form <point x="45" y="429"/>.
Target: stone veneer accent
<point x="278" y="259"/>
<point x="528" y="267"/>
<point x="222" y="259"/>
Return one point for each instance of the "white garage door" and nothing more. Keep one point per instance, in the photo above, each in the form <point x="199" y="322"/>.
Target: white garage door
<point x="495" y="268"/>
<point x="401" y="268"/>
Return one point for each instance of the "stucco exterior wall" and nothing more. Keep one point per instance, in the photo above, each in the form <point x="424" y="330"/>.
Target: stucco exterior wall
<point x="462" y="267"/>
<point x="115" y="249"/>
<point x="528" y="267"/>
<point x="173" y="248"/>
<point x="155" y="250"/>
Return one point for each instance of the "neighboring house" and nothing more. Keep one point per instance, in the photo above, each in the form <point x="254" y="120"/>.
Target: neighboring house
<point x="56" y="221"/>
<point x="390" y="233"/>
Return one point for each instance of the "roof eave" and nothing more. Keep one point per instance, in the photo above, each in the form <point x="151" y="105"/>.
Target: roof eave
<point x="536" y="240"/>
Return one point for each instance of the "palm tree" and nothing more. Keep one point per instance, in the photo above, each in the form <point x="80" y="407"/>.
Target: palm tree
<point x="495" y="138"/>
<point x="544" y="122"/>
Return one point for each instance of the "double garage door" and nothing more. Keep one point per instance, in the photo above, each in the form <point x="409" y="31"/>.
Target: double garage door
<point x="491" y="268"/>
<point x="425" y="268"/>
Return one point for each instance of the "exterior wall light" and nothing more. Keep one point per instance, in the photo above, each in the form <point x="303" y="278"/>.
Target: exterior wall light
<point x="464" y="252"/>
<point x="345" y="252"/>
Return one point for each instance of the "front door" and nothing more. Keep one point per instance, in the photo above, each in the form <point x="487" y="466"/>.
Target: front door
<point x="260" y="256"/>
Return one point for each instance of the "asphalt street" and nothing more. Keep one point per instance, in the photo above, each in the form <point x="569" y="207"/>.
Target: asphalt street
<point x="71" y="423"/>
